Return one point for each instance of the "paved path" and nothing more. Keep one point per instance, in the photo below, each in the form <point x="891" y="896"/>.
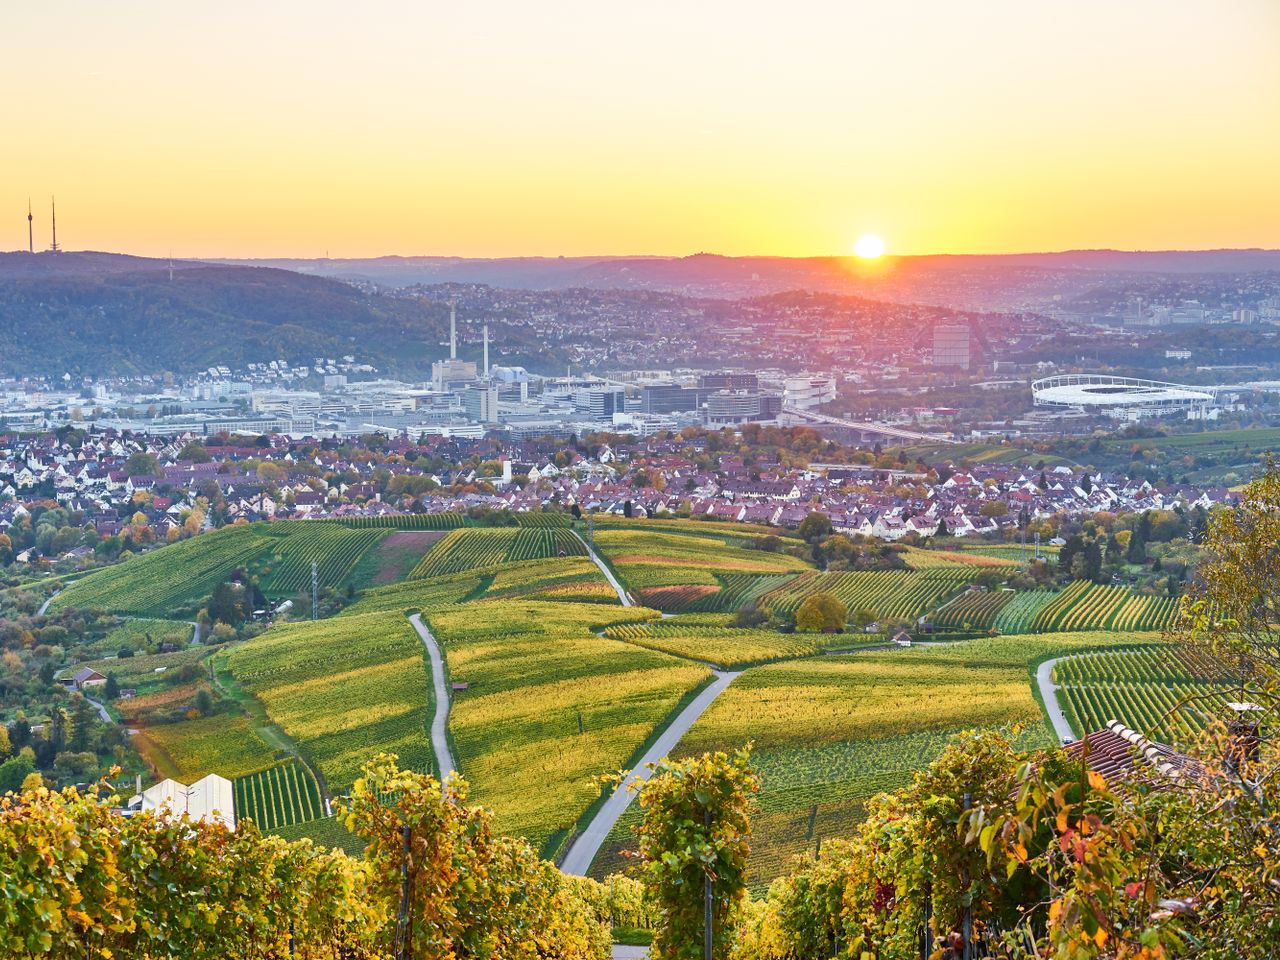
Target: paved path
<point x="588" y="843"/>
<point x="45" y="606"/>
<point x="629" y="953"/>
<point x="102" y="712"/>
<point x="608" y="574"/>
<point x="1049" y="694"/>
<point x="439" y="722"/>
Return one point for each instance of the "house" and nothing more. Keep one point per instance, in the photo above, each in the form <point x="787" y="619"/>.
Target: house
<point x="211" y="799"/>
<point x="83" y="678"/>
<point x="902" y="638"/>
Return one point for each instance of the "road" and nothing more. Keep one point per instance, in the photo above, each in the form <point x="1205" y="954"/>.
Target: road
<point x="608" y="574"/>
<point x="588" y="843"/>
<point x="1049" y="694"/>
<point x="44" y="607"/>
<point x="439" y="722"/>
<point x="102" y="712"/>
<point x="629" y="953"/>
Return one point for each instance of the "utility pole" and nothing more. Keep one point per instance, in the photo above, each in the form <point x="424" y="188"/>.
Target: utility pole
<point x="591" y="530"/>
<point x="315" y="591"/>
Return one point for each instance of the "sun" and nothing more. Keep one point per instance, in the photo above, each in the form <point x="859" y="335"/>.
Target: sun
<point x="869" y="247"/>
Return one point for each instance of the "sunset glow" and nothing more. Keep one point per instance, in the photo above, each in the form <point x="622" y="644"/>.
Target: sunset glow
<point x="305" y="128"/>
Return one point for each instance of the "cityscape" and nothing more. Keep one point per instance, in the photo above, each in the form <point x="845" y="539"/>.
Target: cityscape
<point x="593" y="483"/>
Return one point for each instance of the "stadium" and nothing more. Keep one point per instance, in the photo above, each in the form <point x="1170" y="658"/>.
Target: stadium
<point x="1124" y="398"/>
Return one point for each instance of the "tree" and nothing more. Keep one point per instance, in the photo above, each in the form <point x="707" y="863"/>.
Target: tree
<point x="142" y="464"/>
<point x="204" y="702"/>
<point x="82" y="718"/>
<point x="695" y="827"/>
<point x="471" y="893"/>
<point x="196" y="452"/>
<point x="822" y="611"/>
<point x="15" y="770"/>
<point x="112" y="688"/>
<point x="815" y="527"/>
<point x="5" y="746"/>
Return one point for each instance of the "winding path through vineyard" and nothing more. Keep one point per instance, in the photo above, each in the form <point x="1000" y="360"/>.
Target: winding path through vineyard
<point x="588" y="843"/>
<point x="440" y="721"/>
<point x="608" y="574"/>
<point x="1049" y="694"/>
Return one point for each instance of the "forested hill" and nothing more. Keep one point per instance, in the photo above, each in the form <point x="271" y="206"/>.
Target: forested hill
<point x="103" y="314"/>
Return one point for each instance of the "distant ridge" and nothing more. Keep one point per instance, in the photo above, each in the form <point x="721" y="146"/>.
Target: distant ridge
<point x="110" y="314"/>
<point x="712" y="273"/>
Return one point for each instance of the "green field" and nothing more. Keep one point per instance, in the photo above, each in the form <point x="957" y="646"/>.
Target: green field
<point x="180" y="576"/>
<point x="343" y="689"/>
<point x="831" y="731"/>
<point x="974" y="609"/>
<point x="558" y="684"/>
<point x="889" y="594"/>
<point x="285" y="569"/>
<point x="279" y="796"/>
<point x="550" y="706"/>
<point x="1160" y="691"/>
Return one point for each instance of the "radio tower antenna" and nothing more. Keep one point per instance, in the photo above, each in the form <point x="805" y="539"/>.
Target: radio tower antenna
<point x="486" y="350"/>
<point x="53" y="247"/>
<point x="31" y="237"/>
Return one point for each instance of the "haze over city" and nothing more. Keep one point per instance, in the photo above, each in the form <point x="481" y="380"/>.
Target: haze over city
<point x="308" y="129"/>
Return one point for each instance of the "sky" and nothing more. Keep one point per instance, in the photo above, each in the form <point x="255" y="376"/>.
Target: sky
<point x="277" y="128"/>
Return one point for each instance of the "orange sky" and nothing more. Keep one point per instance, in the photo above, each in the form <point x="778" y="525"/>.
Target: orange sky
<point x="295" y="128"/>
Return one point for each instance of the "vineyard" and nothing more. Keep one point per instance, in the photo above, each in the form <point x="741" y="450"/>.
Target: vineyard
<point x="401" y="521"/>
<point x="650" y="558"/>
<point x="334" y="549"/>
<point x="1160" y="691"/>
<point x="420" y="594"/>
<point x="889" y="594"/>
<point x="478" y="548"/>
<point x="726" y="647"/>
<point x="1019" y="614"/>
<point x="831" y="731"/>
<point x="225" y="744"/>
<point x="343" y="689"/>
<point x="975" y="609"/>
<point x="543" y="520"/>
<point x="739" y="589"/>
<point x="550" y="706"/>
<point x="278" y="796"/>
<point x="180" y="576"/>
<point x="539" y="575"/>
<point x="1089" y="606"/>
<point x="920" y="559"/>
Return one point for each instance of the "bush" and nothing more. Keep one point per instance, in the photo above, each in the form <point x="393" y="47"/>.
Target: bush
<point x="822" y="611"/>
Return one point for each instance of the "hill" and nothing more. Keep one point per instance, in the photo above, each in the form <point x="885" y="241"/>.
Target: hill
<point x="712" y="275"/>
<point x="119" y="315"/>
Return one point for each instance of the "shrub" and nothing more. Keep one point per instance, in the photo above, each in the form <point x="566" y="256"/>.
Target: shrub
<point x="821" y="611"/>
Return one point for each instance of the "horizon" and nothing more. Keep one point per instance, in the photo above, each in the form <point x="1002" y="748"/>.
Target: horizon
<point x="313" y="129"/>
<point x="886" y="258"/>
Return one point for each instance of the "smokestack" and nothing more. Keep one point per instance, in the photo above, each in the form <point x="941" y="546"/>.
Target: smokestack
<point x="453" y="331"/>
<point x="486" y="350"/>
<point x="31" y="237"/>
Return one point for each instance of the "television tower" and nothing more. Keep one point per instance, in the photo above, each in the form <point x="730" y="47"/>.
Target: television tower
<point x="453" y="331"/>
<point x="486" y="351"/>
<point x="31" y="237"/>
<point x="53" y="247"/>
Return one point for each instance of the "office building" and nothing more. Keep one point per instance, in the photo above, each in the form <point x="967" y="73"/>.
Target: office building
<point x="729" y="380"/>
<point x="951" y="345"/>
